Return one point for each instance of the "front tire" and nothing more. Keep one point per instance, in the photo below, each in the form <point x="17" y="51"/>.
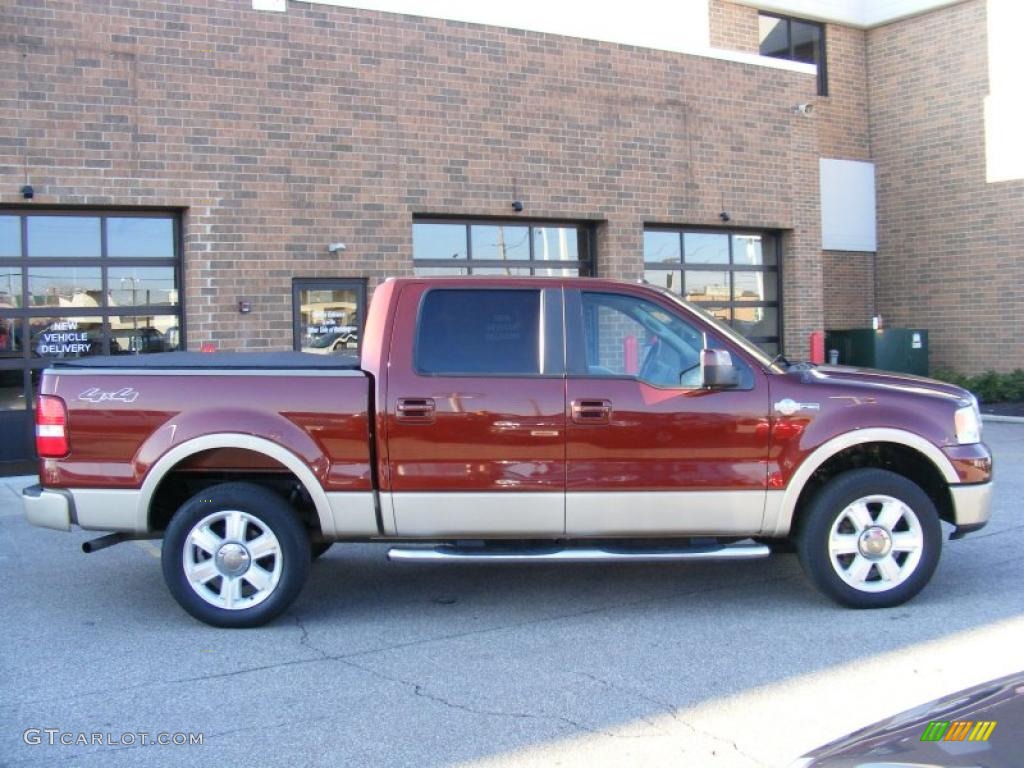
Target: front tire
<point x="870" y="539"/>
<point x="235" y="555"/>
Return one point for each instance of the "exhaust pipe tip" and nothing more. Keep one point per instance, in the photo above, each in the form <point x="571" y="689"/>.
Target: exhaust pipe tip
<point x="95" y="545"/>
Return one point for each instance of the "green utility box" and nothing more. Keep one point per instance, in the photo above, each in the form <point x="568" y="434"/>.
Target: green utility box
<point x="904" y="350"/>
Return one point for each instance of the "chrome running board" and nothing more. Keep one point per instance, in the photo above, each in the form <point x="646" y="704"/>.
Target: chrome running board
<point x="499" y="554"/>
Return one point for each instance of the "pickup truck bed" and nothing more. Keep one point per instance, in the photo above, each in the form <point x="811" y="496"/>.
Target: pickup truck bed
<point x="225" y="361"/>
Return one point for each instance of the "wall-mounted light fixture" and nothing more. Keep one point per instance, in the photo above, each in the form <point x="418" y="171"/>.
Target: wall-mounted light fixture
<point x="27" y="192"/>
<point x="244" y="307"/>
<point x="336" y="247"/>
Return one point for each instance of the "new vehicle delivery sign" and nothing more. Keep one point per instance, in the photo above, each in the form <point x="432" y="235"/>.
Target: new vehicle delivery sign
<point x="64" y="338"/>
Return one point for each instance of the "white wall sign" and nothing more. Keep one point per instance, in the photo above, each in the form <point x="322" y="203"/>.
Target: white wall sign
<point x="847" y="205"/>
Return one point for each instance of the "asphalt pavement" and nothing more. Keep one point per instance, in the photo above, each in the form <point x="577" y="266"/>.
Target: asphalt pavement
<point x="379" y="664"/>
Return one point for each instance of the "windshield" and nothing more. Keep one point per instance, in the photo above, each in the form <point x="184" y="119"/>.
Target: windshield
<point x="727" y="331"/>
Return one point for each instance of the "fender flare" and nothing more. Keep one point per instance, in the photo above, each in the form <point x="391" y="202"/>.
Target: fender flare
<point x="785" y="502"/>
<point x="272" y="450"/>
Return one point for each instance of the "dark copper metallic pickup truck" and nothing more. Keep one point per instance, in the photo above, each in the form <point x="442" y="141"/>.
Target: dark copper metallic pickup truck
<point x="508" y="419"/>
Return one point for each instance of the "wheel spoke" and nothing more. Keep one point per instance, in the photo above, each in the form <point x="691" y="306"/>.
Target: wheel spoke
<point x="206" y="540"/>
<point x="262" y="545"/>
<point x="200" y="573"/>
<point x="888" y="568"/>
<point x="859" y="514"/>
<point x="234" y="527"/>
<point x="230" y="591"/>
<point x="260" y="578"/>
<point x="907" y="541"/>
<point x="843" y="543"/>
<point x="859" y="568"/>
<point x="892" y="511"/>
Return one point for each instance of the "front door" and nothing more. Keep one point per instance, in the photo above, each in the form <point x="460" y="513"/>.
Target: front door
<point x="476" y="425"/>
<point x="327" y="315"/>
<point x="649" y="452"/>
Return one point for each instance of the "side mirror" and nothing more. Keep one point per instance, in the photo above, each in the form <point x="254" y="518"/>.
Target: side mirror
<point x="717" y="370"/>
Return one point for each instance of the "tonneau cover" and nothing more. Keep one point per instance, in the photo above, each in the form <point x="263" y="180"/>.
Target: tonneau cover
<point x="216" y="360"/>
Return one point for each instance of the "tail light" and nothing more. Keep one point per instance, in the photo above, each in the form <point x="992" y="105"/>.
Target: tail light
<point x="51" y="427"/>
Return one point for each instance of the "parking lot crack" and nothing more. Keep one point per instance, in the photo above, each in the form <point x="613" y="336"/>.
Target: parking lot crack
<point x="304" y="639"/>
<point x="421" y="691"/>
<point x="671" y="711"/>
<point x="635" y="694"/>
<point x="325" y="657"/>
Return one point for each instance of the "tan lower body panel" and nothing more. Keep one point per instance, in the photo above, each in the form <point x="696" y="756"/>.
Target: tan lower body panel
<point x="353" y="514"/>
<point x="444" y="515"/>
<point x="99" y="509"/>
<point x="661" y="513"/>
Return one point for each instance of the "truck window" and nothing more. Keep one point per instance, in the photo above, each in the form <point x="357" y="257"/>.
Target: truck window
<point x="479" y="332"/>
<point x="629" y="336"/>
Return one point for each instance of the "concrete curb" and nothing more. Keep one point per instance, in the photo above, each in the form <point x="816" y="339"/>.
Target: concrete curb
<point x="1002" y="419"/>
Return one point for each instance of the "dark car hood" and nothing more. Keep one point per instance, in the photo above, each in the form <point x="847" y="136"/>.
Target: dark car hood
<point x="896" y="741"/>
<point x="885" y="380"/>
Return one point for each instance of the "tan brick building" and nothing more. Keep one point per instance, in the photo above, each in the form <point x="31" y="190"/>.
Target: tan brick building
<point x="240" y="174"/>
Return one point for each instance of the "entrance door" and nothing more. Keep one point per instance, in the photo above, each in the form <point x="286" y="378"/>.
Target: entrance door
<point x="476" y="424"/>
<point x="649" y="451"/>
<point x="328" y="315"/>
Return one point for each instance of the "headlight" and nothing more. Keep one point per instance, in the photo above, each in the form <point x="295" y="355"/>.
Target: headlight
<point x="968" y="425"/>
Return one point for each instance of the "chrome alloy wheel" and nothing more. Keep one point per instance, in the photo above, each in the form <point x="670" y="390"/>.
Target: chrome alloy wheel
<point x="875" y="543"/>
<point x="232" y="560"/>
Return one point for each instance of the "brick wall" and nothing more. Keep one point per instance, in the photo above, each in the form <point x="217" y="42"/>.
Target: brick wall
<point x="833" y="286"/>
<point x="733" y="27"/>
<point x="277" y="134"/>
<point x="949" y="243"/>
<point x="849" y="285"/>
<point x="842" y="116"/>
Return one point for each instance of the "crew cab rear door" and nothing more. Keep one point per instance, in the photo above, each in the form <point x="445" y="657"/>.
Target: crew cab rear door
<point x="650" y="452"/>
<point x="475" y="411"/>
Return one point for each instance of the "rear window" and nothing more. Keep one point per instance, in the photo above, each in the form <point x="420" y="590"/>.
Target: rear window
<point x="479" y="332"/>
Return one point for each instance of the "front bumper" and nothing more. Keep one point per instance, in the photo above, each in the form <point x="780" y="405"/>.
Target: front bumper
<point x="972" y="506"/>
<point x="48" y="508"/>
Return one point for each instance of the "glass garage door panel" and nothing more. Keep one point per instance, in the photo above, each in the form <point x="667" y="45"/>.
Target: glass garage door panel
<point x="732" y="275"/>
<point x="76" y="283"/>
<point x="144" y="334"/>
<point x="60" y="237"/>
<point x="59" y="337"/>
<point x="495" y="247"/>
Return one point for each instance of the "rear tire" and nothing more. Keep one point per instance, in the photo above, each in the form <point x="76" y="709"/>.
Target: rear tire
<point x="235" y="555"/>
<point x="870" y="539"/>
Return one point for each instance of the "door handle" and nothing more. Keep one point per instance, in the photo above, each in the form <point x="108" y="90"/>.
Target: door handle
<point x="591" y="411"/>
<point x="418" y="410"/>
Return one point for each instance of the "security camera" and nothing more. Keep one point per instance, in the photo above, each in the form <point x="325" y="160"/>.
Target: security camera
<point x="803" y="109"/>
<point x="335" y="247"/>
<point x="517" y="206"/>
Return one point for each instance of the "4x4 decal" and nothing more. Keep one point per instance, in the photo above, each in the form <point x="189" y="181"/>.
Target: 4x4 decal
<point x="96" y="395"/>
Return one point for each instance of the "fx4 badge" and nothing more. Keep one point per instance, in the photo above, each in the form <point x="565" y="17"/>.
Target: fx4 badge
<point x="96" y="395"/>
<point x="788" y="407"/>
